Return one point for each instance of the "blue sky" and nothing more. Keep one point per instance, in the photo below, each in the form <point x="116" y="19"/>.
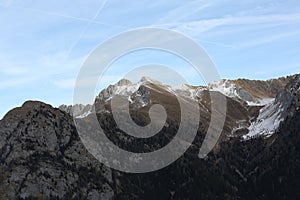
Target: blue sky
<point x="44" y="43"/>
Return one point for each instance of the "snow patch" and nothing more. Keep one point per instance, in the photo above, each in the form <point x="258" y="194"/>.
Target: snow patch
<point x="185" y="90"/>
<point x="84" y="115"/>
<point x="225" y="87"/>
<point x="228" y="88"/>
<point x="267" y="122"/>
<point x="261" y="102"/>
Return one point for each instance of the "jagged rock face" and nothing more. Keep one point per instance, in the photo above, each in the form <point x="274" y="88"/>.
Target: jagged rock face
<point x="43" y="157"/>
<point x="141" y="97"/>
<point x="108" y="92"/>
<point x="293" y="88"/>
<point x="124" y="82"/>
<point x="77" y="110"/>
<point x="288" y="96"/>
<point x="273" y="114"/>
<point x="259" y="88"/>
<point x="111" y="90"/>
<point x="254" y="92"/>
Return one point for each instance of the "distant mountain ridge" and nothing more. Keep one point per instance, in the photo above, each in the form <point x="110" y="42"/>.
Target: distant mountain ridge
<point x="246" y="97"/>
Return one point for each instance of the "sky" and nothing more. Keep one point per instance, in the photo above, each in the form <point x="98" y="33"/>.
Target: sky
<point x="43" y="44"/>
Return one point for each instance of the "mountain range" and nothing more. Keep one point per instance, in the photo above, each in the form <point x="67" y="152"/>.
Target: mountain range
<point x="256" y="157"/>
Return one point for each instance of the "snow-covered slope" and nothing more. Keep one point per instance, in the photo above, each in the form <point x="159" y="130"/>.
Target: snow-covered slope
<point x="79" y="111"/>
<point x="267" y="122"/>
<point x="230" y="89"/>
<point x="274" y="113"/>
<point x="227" y="87"/>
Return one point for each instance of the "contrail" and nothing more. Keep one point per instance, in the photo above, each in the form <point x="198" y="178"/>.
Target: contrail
<point x="61" y="15"/>
<point x="86" y="27"/>
<point x="217" y="43"/>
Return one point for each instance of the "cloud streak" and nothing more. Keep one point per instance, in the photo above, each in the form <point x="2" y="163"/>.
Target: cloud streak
<point x="185" y="11"/>
<point x="87" y="26"/>
<point x="200" y="26"/>
<point x="265" y="40"/>
<point x="44" y="12"/>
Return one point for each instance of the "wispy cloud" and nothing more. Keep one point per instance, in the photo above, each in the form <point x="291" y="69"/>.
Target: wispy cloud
<point x="279" y="70"/>
<point x="87" y="26"/>
<point x="265" y="40"/>
<point x="9" y="4"/>
<point x="195" y="28"/>
<point x="9" y="71"/>
<point x="15" y="82"/>
<point x="64" y="83"/>
<point x="15" y="72"/>
<point x="183" y="12"/>
<point x="69" y="83"/>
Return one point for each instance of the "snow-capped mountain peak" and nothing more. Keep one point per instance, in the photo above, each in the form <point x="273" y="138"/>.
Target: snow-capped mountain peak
<point x="124" y="82"/>
<point x="225" y="87"/>
<point x="146" y="79"/>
